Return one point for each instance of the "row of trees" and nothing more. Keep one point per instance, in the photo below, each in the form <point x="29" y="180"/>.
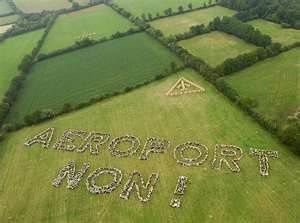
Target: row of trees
<point x="14" y="7"/>
<point x="242" y="30"/>
<point x="85" y="43"/>
<point x="16" y="83"/>
<point x="147" y="17"/>
<point x="286" y="12"/>
<point x="229" y="25"/>
<point x="28" y="22"/>
<point x="240" y="62"/>
<point x="289" y="134"/>
<point x="46" y="114"/>
<point x="33" y="21"/>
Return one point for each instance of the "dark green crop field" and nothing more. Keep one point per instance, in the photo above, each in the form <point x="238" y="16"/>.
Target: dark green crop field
<point x="95" y="71"/>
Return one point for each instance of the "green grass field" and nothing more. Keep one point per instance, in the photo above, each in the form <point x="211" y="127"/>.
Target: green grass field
<point x="12" y="51"/>
<point x="216" y="47"/>
<point x="8" y="19"/>
<point x="181" y="23"/>
<point x="94" y="71"/>
<point x="273" y="83"/>
<point x="4" y="7"/>
<point x="212" y="196"/>
<point x="138" y="7"/>
<point x="71" y="26"/>
<point x="278" y="34"/>
<point x="31" y="6"/>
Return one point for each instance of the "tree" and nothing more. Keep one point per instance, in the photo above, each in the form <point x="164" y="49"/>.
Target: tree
<point x="150" y="16"/>
<point x="173" y="66"/>
<point x="144" y="16"/>
<point x="75" y="5"/>
<point x="180" y="9"/>
<point x="190" y="6"/>
<point x="38" y="116"/>
<point x="168" y="12"/>
<point x="67" y="107"/>
<point x="290" y="134"/>
<point x="25" y="63"/>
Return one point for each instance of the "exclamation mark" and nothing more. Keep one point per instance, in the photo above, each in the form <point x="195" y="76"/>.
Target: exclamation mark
<point x="179" y="192"/>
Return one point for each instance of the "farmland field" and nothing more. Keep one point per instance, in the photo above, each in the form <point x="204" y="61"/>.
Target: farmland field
<point x="71" y="26"/>
<point x="181" y="23"/>
<point x="278" y="34"/>
<point x="4" y="28"/>
<point x="12" y="51"/>
<point x="138" y="7"/>
<point x="216" y="47"/>
<point x="8" y="19"/>
<point x="212" y="195"/>
<point x="4" y="7"/>
<point x="94" y="71"/>
<point x="31" y="6"/>
<point x="274" y="84"/>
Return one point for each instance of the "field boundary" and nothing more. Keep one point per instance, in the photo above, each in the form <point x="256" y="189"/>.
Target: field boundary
<point x="43" y="25"/>
<point x="8" y="127"/>
<point x="210" y="75"/>
<point x="90" y="43"/>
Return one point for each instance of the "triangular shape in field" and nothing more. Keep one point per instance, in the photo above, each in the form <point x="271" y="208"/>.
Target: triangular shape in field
<point x="184" y="86"/>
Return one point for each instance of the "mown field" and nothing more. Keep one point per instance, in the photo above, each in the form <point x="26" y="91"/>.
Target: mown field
<point x="83" y="2"/>
<point x="182" y="23"/>
<point x="138" y="7"/>
<point x="31" y="6"/>
<point x="4" y="7"/>
<point x="94" y="71"/>
<point x="12" y="51"/>
<point x="8" y="19"/>
<point x="212" y="196"/>
<point x="273" y="83"/>
<point x="70" y="27"/>
<point x="216" y="47"/>
<point x="278" y="34"/>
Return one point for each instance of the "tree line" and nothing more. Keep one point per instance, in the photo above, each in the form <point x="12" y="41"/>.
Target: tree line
<point x="28" y="22"/>
<point x="242" y="30"/>
<point x="289" y="134"/>
<point x="286" y="12"/>
<point x="85" y="42"/>
<point x="16" y="84"/>
<point x="148" y="17"/>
